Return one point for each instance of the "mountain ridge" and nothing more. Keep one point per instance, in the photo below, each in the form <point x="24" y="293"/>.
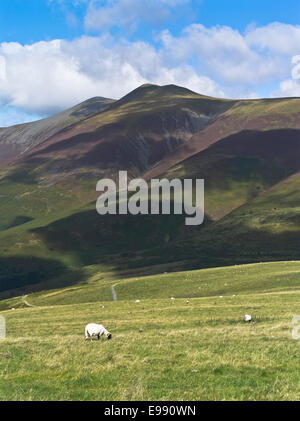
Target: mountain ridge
<point x="246" y="150"/>
<point x="35" y="132"/>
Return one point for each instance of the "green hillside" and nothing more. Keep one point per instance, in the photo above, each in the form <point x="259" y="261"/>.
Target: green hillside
<point x="266" y="228"/>
<point x="195" y="347"/>
<point x="247" y="152"/>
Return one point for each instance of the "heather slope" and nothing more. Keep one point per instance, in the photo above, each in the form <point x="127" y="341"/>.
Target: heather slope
<point x="132" y="134"/>
<point x="260" y="115"/>
<point x="16" y="140"/>
<point x="242" y="166"/>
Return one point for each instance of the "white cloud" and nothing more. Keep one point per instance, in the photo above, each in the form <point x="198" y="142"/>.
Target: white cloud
<point x="296" y="68"/>
<point x="41" y="77"/>
<point x="277" y="38"/>
<point x="2" y="68"/>
<point x="48" y="76"/>
<point x="128" y="13"/>
<point x="231" y="57"/>
<point x="290" y="87"/>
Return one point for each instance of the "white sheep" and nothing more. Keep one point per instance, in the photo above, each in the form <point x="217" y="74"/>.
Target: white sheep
<point x="93" y="329"/>
<point x="247" y="318"/>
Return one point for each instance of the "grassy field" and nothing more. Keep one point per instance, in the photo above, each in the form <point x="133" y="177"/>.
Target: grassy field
<point x="161" y="348"/>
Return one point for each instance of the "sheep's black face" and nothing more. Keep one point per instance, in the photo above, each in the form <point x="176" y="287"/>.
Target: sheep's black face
<point x="109" y="336"/>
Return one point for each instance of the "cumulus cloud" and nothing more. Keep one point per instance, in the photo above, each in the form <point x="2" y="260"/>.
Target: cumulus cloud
<point x="41" y="77"/>
<point x="231" y="57"/>
<point x="278" y="38"/>
<point x="49" y="76"/>
<point x="128" y="13"/>
<point x="290" y="87"/>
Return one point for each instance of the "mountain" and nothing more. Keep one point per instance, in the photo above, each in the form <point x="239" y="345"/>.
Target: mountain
<point x="246" y="150"/>
<point x="133" y="133"/>
<point x="17" y="140"/>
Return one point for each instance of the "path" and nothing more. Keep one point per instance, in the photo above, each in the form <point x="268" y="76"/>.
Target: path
<point x="26" y="302"/>
<point x="114" y="294"/>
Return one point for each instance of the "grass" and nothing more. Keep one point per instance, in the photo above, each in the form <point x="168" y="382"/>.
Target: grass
<point x="52" y="239"/>
<point x="268" y="109"/>
<point x="162" y="349"/>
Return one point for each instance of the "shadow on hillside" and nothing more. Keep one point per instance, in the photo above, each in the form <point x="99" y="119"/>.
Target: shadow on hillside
<point x="137" y="243"/>
<point x="239" y="242"/>
<point x="19" y="275"/>
<point x="22" y="174"/>
<point x="19" y="220"/>
<point x="91" y="237"/>
<point x="280" y="147"/>
<point x="128" y="242"/>
<point x="129" y="247"/>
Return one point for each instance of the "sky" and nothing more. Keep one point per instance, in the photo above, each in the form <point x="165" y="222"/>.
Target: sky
<point x="57" y="53"/>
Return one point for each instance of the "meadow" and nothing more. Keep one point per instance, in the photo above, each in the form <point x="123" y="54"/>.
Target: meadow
<point x="193" y="347"/>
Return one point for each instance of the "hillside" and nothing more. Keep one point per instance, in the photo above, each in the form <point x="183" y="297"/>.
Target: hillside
<point x="161" y="349"/>
<point x="247" y="152"/>
<point x="17" y="140"/>
<point x="132" y="134"/>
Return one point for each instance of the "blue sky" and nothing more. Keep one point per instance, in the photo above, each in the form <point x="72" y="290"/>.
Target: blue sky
<point x="56" y="53"/>
<point x="28" y="21"/>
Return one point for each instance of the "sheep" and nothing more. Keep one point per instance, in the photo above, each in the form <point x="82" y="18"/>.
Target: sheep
<point x="247" y="318"/>
<point x="93" y="329"/>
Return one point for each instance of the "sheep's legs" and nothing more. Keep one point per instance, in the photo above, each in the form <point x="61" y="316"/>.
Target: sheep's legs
<point x="88" y="336"/>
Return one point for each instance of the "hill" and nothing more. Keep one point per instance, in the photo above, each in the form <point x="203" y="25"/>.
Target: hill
<point x="16" y="140"/>
<point x="161" y="349"/>
<point x="247" y="152"/>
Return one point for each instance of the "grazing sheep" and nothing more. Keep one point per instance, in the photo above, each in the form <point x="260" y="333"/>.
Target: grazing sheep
<point x="92" y="329"/>
<point x="248" y="318"/>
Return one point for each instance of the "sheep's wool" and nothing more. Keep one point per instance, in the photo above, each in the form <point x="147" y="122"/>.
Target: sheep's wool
<point x="93" y="329"/>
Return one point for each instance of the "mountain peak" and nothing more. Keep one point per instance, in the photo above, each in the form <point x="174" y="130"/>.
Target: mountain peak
<point x="148" y="85"/>
<point x="150" y="91"/>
